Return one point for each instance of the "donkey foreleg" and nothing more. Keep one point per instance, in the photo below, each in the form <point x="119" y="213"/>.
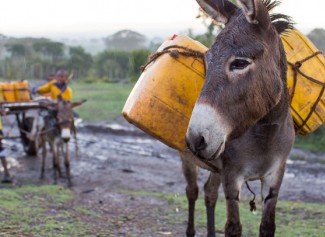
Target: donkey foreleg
<point x="270" y="191"/>
<point x="67" y="163"/>
<point x="56" y="167"/>
<point x="190" y="173"/>
<point x="43" y="144"/>
<point x="232" y="186"/>
<point x="211" y="188"/>
<point x="75" y="142"/>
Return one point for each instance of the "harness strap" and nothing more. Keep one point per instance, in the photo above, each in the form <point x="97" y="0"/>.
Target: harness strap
<point x="174" y="53"/>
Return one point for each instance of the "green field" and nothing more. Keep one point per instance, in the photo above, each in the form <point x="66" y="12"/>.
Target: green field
<point x="104" y="100"/>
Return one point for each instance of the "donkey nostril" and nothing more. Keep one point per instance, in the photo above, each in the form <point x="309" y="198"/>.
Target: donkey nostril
<point x="66" y="139"/>
<point x="200" y="144"/>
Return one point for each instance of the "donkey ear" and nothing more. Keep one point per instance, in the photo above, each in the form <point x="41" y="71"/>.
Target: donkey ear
<point x="218" y="10"/>
<point x="249" y="8"/>
<point x="76" y="104"/>
<point x="256" y="12"/>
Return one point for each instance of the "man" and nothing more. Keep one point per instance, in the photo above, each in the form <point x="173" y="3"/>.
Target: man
<point x="56" y="87"/>
<point x="6" y="175"/>
<point x="50" y="78"/>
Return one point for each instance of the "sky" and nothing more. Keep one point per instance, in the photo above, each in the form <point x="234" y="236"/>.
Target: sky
<point x="100" y="18"/>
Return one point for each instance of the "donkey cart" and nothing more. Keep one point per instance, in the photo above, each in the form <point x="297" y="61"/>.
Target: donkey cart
<point x="24" y="113"/>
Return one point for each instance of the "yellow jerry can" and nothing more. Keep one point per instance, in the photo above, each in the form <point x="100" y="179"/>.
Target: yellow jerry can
<point x="2" y="97"/>
<point x="8" y="91"/>
<point x="163" y="98"/>
<point x="306" y="81"/>
<point x="22" y="91"/>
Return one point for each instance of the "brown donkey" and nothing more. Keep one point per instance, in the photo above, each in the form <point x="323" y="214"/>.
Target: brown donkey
<point x="57" y="130"/>
<point x="241" y="127"/>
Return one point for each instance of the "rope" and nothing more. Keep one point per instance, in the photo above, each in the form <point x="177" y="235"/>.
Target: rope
<point x="174" y="53"/>
<point x="252" y="203"/>
<point x="296" y="68"/>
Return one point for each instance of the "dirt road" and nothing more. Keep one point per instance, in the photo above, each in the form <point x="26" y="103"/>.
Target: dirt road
<point x="117" y="156"/>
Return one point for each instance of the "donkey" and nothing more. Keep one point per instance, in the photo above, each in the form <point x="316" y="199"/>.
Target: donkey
<point x="57" y="130"/>
<point x="241" y="128"/>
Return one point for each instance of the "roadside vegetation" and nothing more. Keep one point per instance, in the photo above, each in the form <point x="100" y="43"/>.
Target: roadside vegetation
<point x="44" y="211"/>
<point x="51" y="211"/>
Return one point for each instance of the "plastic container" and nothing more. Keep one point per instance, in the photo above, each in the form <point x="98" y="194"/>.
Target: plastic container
<point x="8" y="92"/>
<point x="2" y="98"/>
<point x="308" y="98"/>
<point x="163" y="98"/>
<point x="22" y="91"/>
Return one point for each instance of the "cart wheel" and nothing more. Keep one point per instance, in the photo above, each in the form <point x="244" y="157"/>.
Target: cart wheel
<point x="29" y="146"/>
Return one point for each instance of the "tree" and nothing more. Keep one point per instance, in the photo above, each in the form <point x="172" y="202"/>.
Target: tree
<point x="49" y="49"/>
<point x="79" y="61"/>
<point x="17" y="50"/>
<point x="112" y="64"/>
<point x="209" y="36"/>
<point x="138" y="58"/>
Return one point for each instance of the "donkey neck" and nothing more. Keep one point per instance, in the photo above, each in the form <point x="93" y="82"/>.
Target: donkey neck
<point x="279" y="113"/>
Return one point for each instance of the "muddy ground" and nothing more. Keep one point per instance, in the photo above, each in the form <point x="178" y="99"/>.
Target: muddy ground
<point x="118" y="156"/>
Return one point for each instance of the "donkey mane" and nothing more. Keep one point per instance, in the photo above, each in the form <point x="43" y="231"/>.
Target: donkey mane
<point x="281" y="22"/>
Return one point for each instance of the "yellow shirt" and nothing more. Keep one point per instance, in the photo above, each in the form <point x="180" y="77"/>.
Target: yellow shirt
<point x="55" y="89"/>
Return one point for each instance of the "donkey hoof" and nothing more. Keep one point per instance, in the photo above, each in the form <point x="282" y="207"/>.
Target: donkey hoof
<point x="6" y="179"/>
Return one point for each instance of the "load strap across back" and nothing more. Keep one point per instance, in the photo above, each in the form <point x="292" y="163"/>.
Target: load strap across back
<point x="296" y="68"/>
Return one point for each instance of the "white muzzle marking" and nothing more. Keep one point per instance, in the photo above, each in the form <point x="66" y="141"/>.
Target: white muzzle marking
<point x="207" y="125"/>
<point x="65" y="133"/>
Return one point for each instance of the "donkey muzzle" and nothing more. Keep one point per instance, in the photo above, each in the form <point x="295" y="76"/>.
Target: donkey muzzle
<point x="65" y="134"/>
<point x="206" y="133"/>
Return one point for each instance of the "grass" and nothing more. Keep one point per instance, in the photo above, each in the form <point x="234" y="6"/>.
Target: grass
<point x="311" y="142"/>
<point x="104" y="100"/>
<point x="50" y="211"/>
<point x="292" y="219"/>
<point x="42" y="211"/>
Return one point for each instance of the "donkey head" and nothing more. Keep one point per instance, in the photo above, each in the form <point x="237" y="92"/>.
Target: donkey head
<point x="64" y="116"/>
<point x="244" y="75"/>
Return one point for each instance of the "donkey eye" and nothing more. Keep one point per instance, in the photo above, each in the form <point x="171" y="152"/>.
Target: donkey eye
<point x="239" y="64"/>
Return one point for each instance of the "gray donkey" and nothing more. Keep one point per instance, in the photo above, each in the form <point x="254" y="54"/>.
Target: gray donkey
<point x="241" y="127"/>
<point x="56" y="129"/>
